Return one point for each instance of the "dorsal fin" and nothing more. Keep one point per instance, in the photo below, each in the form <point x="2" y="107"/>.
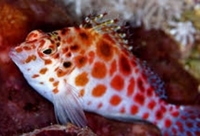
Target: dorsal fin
<point x="154" y="80"/>
<point x="107" y="26"/>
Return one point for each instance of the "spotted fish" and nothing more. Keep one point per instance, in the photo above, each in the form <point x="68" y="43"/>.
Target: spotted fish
<point x="89" y="68"/>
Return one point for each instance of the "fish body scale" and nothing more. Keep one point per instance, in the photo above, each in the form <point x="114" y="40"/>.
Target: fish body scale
<point x="89" y="68"/>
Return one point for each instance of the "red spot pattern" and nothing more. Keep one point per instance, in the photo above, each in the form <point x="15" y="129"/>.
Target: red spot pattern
<point x="18" y="49"/>
<point x="139" y="98"/>
<point x="140" y="84"/>
<point x="145" y="116"/>
<point x="188" y="133"/>
<point x="32" y="36"/>
<point x="180" y="126"/>
<point x="168" y="123"/>
<point x="113" y="68"/>
<point x="117" y="83"/>
<point x="124" y="65"/>
<point x="131" y="87"/>
<point x="122" y="110"/>
<point x="134" y="109"/>
<point x="104" y="50"/>
<point x="150" y="92"/>
<point x="91" y="56"/>
<point x="175" y="114"/>
<point x="198" y="124"/>
<point x="80" y="61"/>
<point x="159" y="114"/>
<point x="99" y="70"/>
<point x="151" y="105"/>
<point x="189" y="124"/>
<point x="115" y="100"/>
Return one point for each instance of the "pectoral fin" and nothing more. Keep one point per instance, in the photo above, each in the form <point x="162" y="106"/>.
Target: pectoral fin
<point x="68" y="108"/>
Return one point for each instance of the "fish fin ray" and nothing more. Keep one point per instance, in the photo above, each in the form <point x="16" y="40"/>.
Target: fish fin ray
<point x="68" y="107"/>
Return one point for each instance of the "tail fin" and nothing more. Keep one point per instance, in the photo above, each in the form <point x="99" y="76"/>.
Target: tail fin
<point x="186" y="124"/>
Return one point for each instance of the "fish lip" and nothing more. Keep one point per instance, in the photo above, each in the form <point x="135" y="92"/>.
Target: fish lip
<point x="12" y="53"/>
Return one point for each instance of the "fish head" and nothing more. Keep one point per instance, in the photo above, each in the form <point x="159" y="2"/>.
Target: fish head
<point x="38" y="58"/>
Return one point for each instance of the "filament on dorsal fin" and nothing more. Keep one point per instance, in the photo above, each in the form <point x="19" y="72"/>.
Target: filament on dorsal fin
<point x="107" y="26"/>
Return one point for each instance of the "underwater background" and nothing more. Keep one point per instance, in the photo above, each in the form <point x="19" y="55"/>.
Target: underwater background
<point x="164" y="33"/>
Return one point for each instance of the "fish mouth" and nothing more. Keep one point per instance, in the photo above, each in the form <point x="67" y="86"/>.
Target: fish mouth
<point x="13" y="55"/>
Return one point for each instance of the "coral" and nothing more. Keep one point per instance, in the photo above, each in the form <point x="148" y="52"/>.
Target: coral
<point x="183" y="32"/>
<point x="69" y="130"/>
<point x="155" y="13"/>
<point x="12" y="19"/>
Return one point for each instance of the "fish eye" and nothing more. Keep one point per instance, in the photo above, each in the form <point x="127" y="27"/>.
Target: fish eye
<point x="67" y="64"/>
<point x="47" y="51"/>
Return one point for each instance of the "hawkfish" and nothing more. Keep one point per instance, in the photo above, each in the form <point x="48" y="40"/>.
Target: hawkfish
<point x="90" y="68"/>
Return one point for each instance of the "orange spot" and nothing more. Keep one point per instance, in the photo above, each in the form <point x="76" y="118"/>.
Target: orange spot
<point x="30" y="58"/>
<point x="55" y="91"/>
<point x="18" y="49"/>
<point x="113" y="67"/>
<point x="55" y="84"/>
<point x="65" y="49"/>
<point x="134" y="109"/>
<point x="81" y="93"/>
<point x="85" y="37"/>
<point x="61" y="73"/>
<point x="74" y="48"/>
<point x="91" y="56"/>
<point x="43" y="71"/>
<point x="115" y="100"/>
<point x="31" y="36"/>
<point x="35" y="76"/>
<point x="99" y="90"/>
<point x="47" y="61"/>
<point x="51" y="79"/>
<point x="42" y="42"/>
<point x="56" y="56"/>
<point x="27" y="48"/>
<point x="81" y="79"/>
<point x="99" y="70"/>
<point x="104" y="50"/>
<point x="33" y="46"/>
<point x="131" y="87"/>
<point x="69" y="40"/>
<point x="80" y="61"/>
<point x="99" y="105"/>
<point x="117" y="82"/>
<point x="124" y="65"/>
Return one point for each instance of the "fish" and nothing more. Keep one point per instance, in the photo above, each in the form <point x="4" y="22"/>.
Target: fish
<point x="90" y="68"/>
